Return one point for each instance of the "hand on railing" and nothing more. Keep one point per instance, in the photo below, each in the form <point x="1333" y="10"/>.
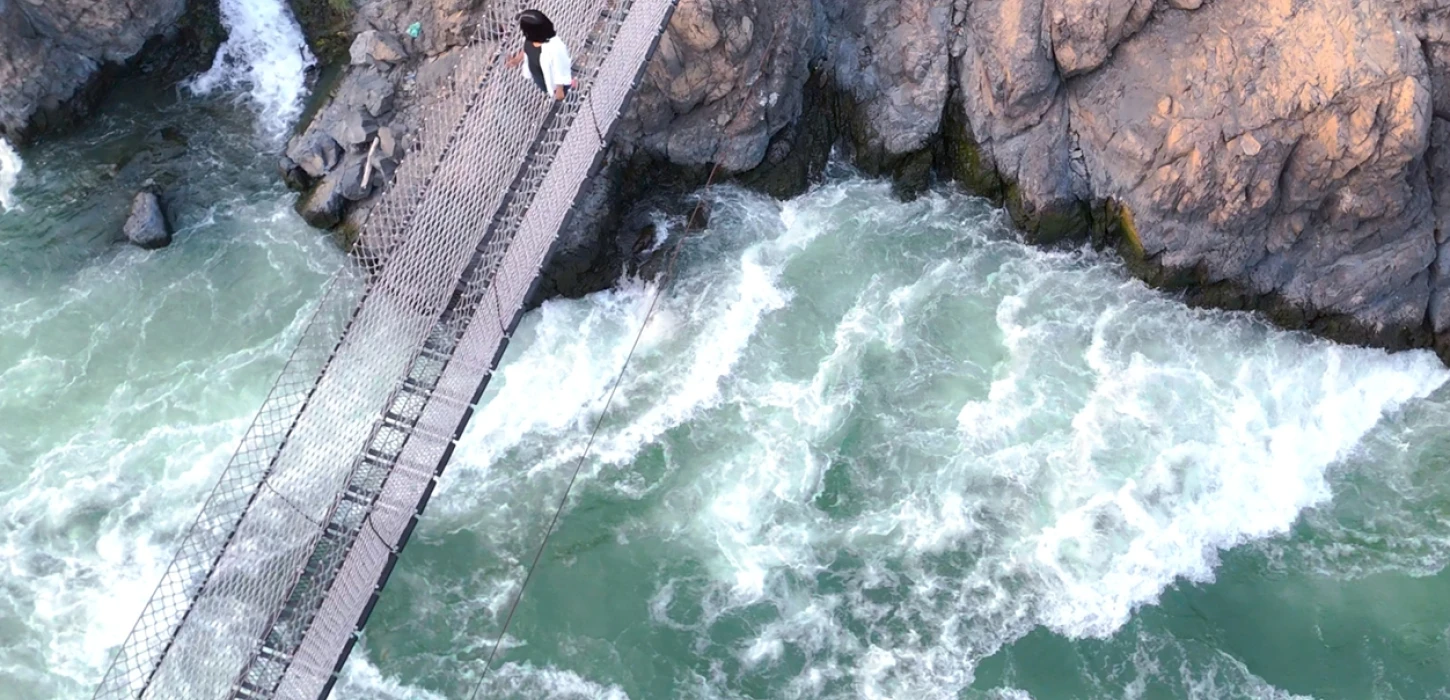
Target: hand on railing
<point x="514" y="60"/>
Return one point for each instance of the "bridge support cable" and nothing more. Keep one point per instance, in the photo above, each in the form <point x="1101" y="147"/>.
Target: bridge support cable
<point x="285" y="562"/>
<point x="691" y="220"/>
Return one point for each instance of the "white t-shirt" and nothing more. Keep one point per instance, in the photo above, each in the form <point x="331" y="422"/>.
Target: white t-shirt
<point x="557" y="67"/>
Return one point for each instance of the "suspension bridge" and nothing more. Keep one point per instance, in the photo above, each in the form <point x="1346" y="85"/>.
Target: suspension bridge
<point x="274" y="581"/>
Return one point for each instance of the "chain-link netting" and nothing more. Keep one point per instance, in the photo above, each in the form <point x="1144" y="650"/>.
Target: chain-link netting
<point x="282" y="567"/>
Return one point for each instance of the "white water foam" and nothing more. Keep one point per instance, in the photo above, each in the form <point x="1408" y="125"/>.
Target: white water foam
<point x="1180" y="459"/>
<point x="528" y="681"/>
<point x="1395" y="523"/>
<point x="908" y="437"/>
<point x="362" y="680"/>
<point x="116" y="417"/>
<point x="1189" y="669"/>
<point x="10" y="167"/>
<point x="576" y="350"/>
<point x="264" y="55"/>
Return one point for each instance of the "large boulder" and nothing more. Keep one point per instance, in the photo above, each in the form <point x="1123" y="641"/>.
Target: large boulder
<point x="1083" y="33"/>
<point x="146" y="226"/>
<point x="315" y="152"/>
<point x="322" y="207"/>
<point x="891" y="58"/>
<point x="1268" y="155"/>
<point x="373" y="46"/>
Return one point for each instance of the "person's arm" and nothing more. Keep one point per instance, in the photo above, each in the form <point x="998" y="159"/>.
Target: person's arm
<point x="561" y="68"/>
<point x="515" y="59"/>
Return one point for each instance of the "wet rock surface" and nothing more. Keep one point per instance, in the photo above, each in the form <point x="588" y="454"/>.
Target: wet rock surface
<point x="146" y="226"/>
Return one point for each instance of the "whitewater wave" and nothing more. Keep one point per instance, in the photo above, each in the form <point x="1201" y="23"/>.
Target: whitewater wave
<point x="10" y="167"/>
<point x="116" y="417"/>
<point x="266" y="57"/>
<point x="1150" y="664"/>
<point x="578" y="349"/>
<point x="1395" y="523"/>
<point x="362" y="680"/>
<point x="878" y="442"/>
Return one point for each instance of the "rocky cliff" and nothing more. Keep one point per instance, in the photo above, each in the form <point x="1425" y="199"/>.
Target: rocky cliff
<point x="58" y="56"/>
<point x="1276" y="157"/>
<point x="1286" y="155"/>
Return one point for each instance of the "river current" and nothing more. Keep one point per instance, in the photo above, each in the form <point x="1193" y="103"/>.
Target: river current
<point x="865" y="449"/>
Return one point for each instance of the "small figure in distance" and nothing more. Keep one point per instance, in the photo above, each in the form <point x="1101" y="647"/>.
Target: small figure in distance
<point x="548" y="63"/>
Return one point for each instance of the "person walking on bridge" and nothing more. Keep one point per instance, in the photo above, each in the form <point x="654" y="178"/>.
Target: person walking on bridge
<point x="548" y="62"/>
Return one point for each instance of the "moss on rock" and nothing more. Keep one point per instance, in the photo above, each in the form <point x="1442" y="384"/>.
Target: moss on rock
<point x="327" y="26"/>
<point x="911" y="173"/>
<point x="964" y="160"/>
<point x="1121" y="223"/>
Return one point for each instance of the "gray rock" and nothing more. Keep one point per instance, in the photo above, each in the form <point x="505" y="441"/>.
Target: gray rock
<point x="146" y="226"/>
<point x="314" y="152"/>
<point x="370" y="90"/>
<point x="50" y="49"/>
<point x="292" y="175"/>
<point x="387" y="143"/>
<point x="332" y="150"/>
<point x="322" y="207"/>
<point x="726" y="77"/>
<point x="350" y="177"/>
<point x="445" y="23"/>
<point x="1278" y="148"/>
<point x="353" y="129"/>
<point x="1084" y="32"/>
<point x="347" y="123"/>
<point x="891" y="57"/>
<point x="373" y="46"/>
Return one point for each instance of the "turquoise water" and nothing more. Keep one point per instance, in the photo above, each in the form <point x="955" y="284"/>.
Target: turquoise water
<point x="872" y="449"/>
<point x="127" y="377"/>
<point x="866" y="450"/>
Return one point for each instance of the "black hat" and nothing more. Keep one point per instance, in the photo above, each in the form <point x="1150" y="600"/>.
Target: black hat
<point x="536" y="26"/>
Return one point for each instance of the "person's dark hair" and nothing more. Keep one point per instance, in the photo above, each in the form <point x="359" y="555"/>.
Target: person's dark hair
<point x="536" y="26"/>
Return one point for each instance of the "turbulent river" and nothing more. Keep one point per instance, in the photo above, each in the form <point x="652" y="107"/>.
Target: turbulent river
<point x="865" y="449"/>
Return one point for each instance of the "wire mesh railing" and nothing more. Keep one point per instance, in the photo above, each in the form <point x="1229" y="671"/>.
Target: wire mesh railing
<point x="277" y="575"/>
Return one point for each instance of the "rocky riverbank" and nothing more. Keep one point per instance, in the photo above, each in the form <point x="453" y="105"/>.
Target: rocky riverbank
<point x="1280" y="156"/>
<point x="1287" y="156"/>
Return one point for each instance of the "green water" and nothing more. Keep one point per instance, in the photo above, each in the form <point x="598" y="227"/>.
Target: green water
<point x="880" y="450"/>
<point x="127" y="377"/>
<point x="866" y="450"/>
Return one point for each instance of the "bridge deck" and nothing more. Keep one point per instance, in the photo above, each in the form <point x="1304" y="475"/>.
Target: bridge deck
<point x="273" y="582"/>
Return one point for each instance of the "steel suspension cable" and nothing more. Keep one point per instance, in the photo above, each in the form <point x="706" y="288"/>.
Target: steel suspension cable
<point x="619" y="378"/>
